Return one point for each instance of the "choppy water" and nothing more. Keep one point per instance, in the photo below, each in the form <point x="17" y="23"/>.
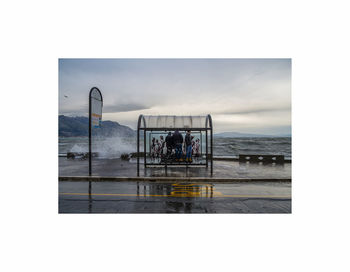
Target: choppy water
<point x="111" y="147"/>
<point x="115" y="146"/>
<point x="261" y="146"/>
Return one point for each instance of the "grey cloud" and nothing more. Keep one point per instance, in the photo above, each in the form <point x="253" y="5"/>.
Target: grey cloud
<point x="254" y="110"/>
<point x="124" y="108"/>
<point x="254" y="90"/>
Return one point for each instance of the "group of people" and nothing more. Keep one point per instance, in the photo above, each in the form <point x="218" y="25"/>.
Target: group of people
<point x="175" y="145"/>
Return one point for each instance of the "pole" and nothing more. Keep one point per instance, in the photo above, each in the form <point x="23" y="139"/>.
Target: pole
<point x="144" y="148"/>
<point x="201" y="143"/>
<point x="90" y="133"/>
<point x="138" y="144"/>
<point x="206" y="147"/>
<point x="211" y="150"/>
<point x="138" y="152"/>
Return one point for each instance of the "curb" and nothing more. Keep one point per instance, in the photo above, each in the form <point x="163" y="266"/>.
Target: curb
<point x="170" y="179"/>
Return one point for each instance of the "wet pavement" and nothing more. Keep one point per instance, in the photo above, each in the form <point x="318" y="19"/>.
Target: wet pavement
<point x="151" y="197"/>
<point x="227" y="169"/>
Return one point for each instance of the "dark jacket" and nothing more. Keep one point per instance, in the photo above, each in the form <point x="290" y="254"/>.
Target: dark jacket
<point x="177" y="138"/>
<point x="169" y="141"/>
<point x="188" y="141"/>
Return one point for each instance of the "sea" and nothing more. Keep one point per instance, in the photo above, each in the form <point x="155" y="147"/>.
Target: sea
<point x="113" y="147"/>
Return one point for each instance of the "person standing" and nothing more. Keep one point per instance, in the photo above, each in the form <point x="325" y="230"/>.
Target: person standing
<point x="188" y="146"/>
<point x="169" y="143"/>
<point x="178" y="139"/>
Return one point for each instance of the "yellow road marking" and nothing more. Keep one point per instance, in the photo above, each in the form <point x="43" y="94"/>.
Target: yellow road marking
<point x="193" y="190"/>
<point x="192" y="185"/>
<point x="258" y="196"/>
<point x="215" y="194"/>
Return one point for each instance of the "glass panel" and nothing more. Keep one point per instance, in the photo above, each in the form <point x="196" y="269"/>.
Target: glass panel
<point x="171" y="121"/>
<point x="187" y="121"/>
<point x="179" y="121"/>
<point x="157" y="151"/>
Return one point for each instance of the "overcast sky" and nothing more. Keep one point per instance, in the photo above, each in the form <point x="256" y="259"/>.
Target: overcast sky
<point x="242" y="95"/>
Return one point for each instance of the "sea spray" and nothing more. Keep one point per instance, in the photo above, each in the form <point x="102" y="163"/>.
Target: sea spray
<point x="107" y="148"/>
<point x="79" y="148"/>
<point x="114" y="147"/>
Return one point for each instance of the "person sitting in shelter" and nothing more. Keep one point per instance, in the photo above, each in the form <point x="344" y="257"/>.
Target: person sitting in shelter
<point x="188" y="145"/>
<point x="161" y="143"/>
<point x="178" y="139"/>
<point x="153" y="149"/>
<point x="158" y="148"/>
<point x="196" y="148"/>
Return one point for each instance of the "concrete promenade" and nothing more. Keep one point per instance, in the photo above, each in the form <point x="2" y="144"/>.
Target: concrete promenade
<point x="115" y="188"/>
<point x="222" y="169"/>
<point x="157" y="197"/>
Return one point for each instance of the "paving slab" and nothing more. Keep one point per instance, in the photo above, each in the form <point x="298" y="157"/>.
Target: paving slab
<point x="221" y="169"/>
<point x="147" y="197"/>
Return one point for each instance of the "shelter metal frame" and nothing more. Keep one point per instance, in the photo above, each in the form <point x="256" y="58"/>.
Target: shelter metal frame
<point x="208" y="128"/>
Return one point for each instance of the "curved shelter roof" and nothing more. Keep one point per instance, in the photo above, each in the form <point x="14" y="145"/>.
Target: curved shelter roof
<point x="163" y="122"/>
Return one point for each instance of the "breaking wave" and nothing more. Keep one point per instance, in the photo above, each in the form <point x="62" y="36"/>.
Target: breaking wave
<point x="110" y="148"/>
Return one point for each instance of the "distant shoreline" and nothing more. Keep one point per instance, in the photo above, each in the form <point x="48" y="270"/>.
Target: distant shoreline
<point x="221" y="137"/>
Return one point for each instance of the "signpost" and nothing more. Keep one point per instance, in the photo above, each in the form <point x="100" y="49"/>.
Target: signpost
<point x="95" y="115"/>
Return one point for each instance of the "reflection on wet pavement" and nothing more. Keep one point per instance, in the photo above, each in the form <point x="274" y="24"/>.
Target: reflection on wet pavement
<point x="149" y="197"/>
<point x="178" y="190"/>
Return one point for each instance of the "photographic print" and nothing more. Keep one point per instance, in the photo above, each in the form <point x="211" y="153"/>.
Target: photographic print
<point x="175" y="136"/>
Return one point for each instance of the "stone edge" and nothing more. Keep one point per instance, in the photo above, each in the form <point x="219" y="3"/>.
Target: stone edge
<point x="169" y="179"/>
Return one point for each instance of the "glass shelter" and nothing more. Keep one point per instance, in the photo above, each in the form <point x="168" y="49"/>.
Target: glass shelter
<point x="158" y="150"/>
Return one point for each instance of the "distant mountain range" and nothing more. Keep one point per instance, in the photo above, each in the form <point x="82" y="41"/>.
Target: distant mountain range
<point x="79" y="126"/>
<point x="238" y="135"/>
